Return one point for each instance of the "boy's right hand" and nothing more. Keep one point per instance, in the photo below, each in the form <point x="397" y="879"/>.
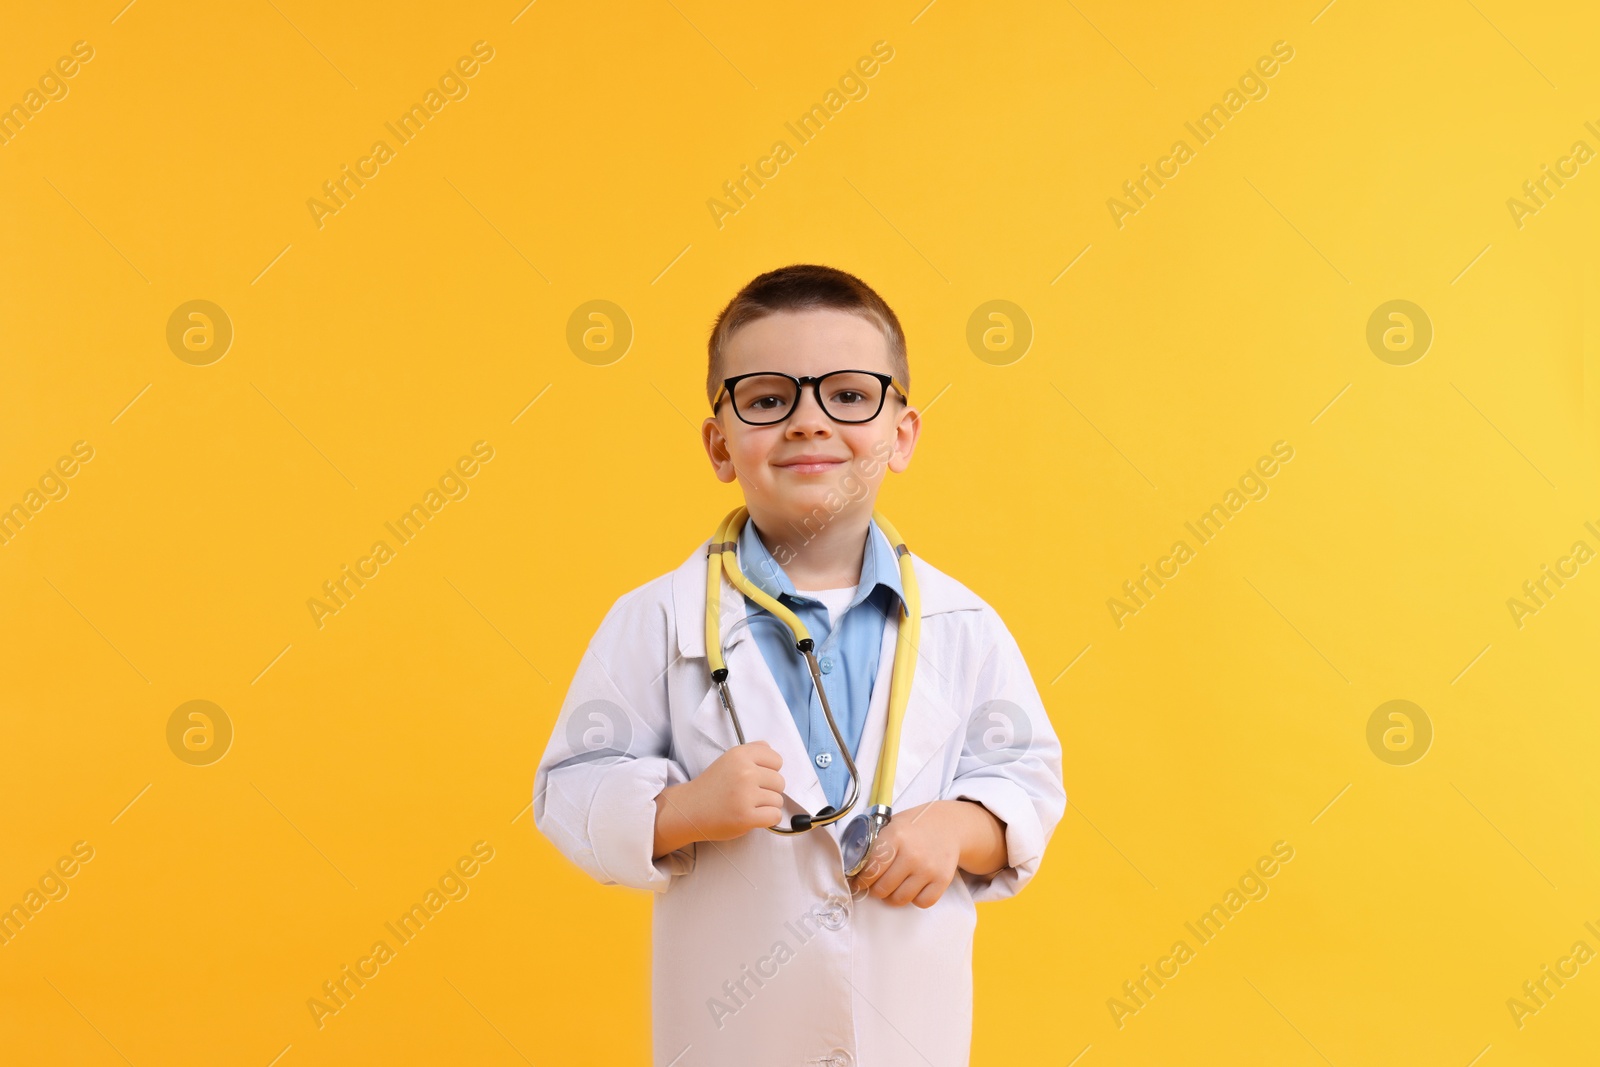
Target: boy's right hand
<point x="741" y="791"/>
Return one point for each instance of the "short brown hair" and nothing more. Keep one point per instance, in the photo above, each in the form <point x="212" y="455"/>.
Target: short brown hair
<point x="805" y="287"/>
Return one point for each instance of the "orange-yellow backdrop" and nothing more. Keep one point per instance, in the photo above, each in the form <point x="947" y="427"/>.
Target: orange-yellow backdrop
<point x="373" y="345"/>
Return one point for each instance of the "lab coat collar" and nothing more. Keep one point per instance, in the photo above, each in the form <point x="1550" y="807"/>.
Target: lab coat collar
<point x="940" y="593"/>
<point x="879" y="566"/>
<point x="764" y="714"/>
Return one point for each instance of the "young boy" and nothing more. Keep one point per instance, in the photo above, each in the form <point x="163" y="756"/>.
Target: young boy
<point x="765" y="952"/>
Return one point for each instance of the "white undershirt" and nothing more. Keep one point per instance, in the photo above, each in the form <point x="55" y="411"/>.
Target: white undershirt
<point x="835" y="600"/>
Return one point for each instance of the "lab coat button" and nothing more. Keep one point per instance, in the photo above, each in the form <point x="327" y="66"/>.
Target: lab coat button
<point x="826" y="665"/>
<point x="832" y="913"/>
<point x="824" y="759"/>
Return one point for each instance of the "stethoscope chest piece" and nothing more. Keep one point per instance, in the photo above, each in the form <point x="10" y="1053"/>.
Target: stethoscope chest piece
<point x="860" y="834"/>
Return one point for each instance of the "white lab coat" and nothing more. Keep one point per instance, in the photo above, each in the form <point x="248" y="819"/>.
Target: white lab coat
<point x="761" y="956"/>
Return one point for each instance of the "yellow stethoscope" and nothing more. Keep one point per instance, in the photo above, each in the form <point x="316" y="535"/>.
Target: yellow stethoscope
<point x="862" y="831"/>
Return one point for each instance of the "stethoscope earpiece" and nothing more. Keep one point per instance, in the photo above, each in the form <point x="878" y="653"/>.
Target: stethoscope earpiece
<point x="801" y="822"/>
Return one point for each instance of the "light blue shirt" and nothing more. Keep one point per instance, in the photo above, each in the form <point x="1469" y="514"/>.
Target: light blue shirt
<point x="847" y="654"/>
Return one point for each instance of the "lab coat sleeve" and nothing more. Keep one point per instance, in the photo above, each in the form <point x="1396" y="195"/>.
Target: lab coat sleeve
<point x="609" y="754"/>
<point x="1010" y="763"/>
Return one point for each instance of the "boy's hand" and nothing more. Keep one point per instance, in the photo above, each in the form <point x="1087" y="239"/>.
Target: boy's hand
<point x="741" y="791"/>
<point x="917" y="855"/>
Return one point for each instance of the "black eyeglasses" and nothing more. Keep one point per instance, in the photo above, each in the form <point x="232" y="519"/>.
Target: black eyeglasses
<point x="768" y="397"/>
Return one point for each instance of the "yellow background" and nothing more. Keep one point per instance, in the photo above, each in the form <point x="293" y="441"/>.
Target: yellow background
<point x="428" y="313"/>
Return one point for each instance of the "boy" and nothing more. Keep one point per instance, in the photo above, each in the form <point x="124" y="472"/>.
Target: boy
<point x="765" y="952"/>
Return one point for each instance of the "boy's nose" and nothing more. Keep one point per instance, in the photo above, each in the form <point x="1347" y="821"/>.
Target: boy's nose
<point x="808" y="416"/>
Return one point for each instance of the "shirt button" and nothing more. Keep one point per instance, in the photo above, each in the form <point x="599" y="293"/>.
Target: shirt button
<point x="827" y="665"/>
<point x="824" y="759"/>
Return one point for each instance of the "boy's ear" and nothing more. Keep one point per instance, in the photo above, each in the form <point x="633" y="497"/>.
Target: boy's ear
<point x="905" y="439"/>
<point x="716" y="443"/>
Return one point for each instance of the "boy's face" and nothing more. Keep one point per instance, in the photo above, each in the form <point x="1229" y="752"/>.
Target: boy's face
<point x="848" y="460"/>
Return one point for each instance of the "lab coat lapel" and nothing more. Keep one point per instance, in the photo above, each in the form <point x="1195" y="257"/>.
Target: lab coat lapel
<point x="929" y="719"/>
<point x="763" y="712"/>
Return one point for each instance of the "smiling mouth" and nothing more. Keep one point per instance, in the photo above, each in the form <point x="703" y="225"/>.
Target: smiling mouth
<point x="817" y="467"/>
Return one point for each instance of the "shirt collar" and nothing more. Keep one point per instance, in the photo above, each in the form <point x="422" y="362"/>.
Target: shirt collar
<point x="879" y="567"/>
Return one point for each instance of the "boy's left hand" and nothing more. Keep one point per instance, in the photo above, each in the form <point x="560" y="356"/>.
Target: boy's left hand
<point x="917" y="855"/>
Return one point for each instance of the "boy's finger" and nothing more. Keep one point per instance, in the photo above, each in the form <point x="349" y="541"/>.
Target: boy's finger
<point x="890" y="880"/>
<point x="883" y="854"/>
<point x="878" y="860"/>
<point x="864" y="878"/>
<point x="764" y="755"/>
<point x="907" y="891"/>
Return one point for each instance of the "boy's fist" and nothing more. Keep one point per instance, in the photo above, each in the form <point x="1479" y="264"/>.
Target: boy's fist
<point x="741" y="791"/>
<point x="917" y="855"/>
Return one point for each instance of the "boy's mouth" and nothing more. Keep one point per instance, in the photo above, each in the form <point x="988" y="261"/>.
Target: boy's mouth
<point x="810" y="464"/>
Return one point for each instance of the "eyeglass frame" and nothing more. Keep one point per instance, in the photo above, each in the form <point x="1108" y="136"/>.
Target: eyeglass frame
<point x="887" y="381"/>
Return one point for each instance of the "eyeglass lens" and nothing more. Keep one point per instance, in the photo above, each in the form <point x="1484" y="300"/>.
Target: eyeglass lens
<point x="847" y="396"/>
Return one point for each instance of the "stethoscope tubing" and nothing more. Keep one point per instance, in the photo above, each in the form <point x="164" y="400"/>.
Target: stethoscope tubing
<point x="723" y="549"/>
